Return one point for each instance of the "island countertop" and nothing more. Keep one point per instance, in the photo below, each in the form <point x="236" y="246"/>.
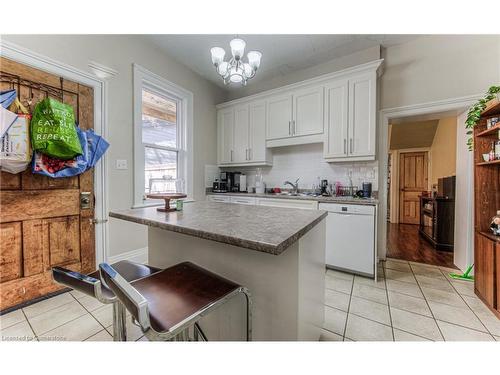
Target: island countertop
<point x="267" y="229"/>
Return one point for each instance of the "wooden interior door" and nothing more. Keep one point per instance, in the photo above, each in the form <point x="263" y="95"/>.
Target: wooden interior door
<point x="41" y="222"/>
<point x="413" y="179"/>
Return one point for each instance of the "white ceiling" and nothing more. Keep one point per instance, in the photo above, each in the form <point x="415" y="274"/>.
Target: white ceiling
<point x="281" y="54"/>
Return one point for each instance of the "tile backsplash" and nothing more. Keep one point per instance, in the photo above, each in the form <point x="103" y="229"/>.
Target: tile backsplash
<point x="306" y="162"/>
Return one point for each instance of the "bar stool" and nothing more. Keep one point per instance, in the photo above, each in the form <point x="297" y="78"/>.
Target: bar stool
<point x="168" y="303"/>
<point x="91" y="285"/>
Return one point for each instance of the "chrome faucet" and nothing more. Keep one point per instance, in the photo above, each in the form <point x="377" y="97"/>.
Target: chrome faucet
<point x="295" y="186"/>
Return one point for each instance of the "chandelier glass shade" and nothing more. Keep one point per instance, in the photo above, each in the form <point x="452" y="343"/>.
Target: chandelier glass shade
<point x="236" y="70"/>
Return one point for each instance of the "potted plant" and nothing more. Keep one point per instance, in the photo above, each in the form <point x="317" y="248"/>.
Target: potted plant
<point x="474" y="113"/>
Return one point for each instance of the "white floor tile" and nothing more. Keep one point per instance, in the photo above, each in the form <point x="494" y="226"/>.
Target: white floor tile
<point x="409" y="303"/>
<point x="371" y="293"/>
<point x="133" y="332"/>
<point x="90" y="303"/>
<point x="479" y="308"/>
<point x="335" y="320"/>
<point x="370" y="310"/>
<point x="104" y="315"/>
<point x="340" y="274"/>
<point x="102" y="335"/>
<point x="417" y="324"/>
<point x="338" y="284"/>
<point x="370" y="282"/>
<point x="405" y="336"/>
<point x="361" y="329"/>
<point x="76" y="330"/>
<point x="427" y="271"/>
<point x="492" y="325"/>
<point x="406" y="277"/>
<point x="51" y="319"/>
<point x="405" y="288"/>
<point x="398" y="266"/>
<point x="434" y="283"/>
<point x="48" y="304"/>
<point x="329" y="336"/>
<point x="464" y="288"/>
<point x="448" y="298"/>
<point x="77" y="294"/>
<point x="456" y="315"/>
<point x="337" y="299"/>
<point x="18" y="332"/>
<point x="11" y="318"/>
<point x="452" y="332"/>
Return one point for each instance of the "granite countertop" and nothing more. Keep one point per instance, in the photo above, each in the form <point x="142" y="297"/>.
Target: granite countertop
<point x="321" y="199"/>
<point x="268" y="229"/>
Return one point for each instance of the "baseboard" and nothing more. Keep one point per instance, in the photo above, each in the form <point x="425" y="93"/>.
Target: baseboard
<point x="137" y="255"/>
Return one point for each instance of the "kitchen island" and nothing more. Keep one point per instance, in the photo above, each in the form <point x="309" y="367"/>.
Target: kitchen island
<point x="277" y="253"/>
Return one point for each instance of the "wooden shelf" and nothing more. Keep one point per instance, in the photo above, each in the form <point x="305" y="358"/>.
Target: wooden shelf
<point x="489" y="162"/>
<point x="492" y="108"/>
<point x="491" y="236"/>
<point x="489" y="131"/>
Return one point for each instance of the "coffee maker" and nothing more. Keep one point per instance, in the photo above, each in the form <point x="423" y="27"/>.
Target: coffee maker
<point x="232" y="180"/>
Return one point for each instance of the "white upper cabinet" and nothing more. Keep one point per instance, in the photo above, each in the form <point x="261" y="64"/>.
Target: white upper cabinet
<point x="362" y="113"/>
<point x="336" y="136"/>
<point x="350" y="111"/>
<point x="279" y="117"/>
<point x="240" y="148"/>
<point x="338" y="110"/>
<point x="307" y="111"/>
<point x="225" y="129"/>
<point x="257" y="151"/>
<point x="241" y="137"/>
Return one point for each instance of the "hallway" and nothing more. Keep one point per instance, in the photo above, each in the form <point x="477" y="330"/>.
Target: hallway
<point x="404" y="242"/>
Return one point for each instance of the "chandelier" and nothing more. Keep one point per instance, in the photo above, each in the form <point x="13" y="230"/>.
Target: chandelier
<point x="235" y="70"/>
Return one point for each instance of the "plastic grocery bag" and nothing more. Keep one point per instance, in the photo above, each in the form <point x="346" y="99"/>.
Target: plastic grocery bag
<point x="97" y="147"/>
<point x="7" y="118"/>
<point x="15" y="150"/>
<point x="7" y="97"/>
<point x="53" y="130"/>
<point x="57" y="168"/>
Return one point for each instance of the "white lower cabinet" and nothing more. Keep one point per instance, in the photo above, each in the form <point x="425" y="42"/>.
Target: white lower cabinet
<point x="287" y="203"/>
<point x="243" y="200"/>
<point x="219" y="198"/>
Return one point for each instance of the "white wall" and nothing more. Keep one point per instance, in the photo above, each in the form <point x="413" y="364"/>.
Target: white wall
<point x="306" y="162"/>
<point x="119" y="52"/>
<point x="439" y="67"/>
<point x="340" y="63"/>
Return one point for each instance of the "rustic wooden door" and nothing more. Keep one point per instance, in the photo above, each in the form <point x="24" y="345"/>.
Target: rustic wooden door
<point x="413" y="179"/>
<point x="41" y="221"/>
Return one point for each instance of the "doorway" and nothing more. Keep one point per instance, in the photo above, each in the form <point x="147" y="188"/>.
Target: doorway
<point x="420" y="224"/>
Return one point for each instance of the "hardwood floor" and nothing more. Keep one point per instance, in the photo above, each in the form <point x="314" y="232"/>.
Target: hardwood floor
<point x="404" y="242"/>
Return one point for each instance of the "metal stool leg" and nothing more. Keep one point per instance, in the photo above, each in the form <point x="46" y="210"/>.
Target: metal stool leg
<point x="119" y="322"/>
<point x="249" y="313"/>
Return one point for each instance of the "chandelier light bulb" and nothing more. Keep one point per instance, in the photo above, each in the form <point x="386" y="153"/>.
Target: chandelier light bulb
<point x="236" y="70"/>
<point x="254" y="59"/>
<point x="237" y="48"/>
<point x="217" y="55"/>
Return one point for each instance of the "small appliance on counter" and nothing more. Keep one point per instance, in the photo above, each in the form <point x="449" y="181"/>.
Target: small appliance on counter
<point x="219" y="186"/>
<point x="232" y="181"/>
<point x="367" y="189"/>
<point x="243" y="183"/>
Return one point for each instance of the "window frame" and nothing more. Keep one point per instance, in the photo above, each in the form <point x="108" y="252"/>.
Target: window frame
<point x="143" y="79"/>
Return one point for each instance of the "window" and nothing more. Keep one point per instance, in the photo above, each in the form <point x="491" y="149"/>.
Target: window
<point x="163" y="137"/>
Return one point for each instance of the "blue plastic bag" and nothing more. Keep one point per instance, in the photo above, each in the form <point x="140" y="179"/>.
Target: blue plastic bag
<point x="7" y="97"/>
<point x="58" y="168"/>
<point x="97" y="147"/>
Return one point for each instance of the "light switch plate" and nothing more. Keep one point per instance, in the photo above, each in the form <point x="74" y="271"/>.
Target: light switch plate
<point x="121" y="164"/>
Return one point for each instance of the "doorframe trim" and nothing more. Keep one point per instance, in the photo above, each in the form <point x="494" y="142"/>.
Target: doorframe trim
<point x="384" y="116"/>
<point x="36" y="60"/>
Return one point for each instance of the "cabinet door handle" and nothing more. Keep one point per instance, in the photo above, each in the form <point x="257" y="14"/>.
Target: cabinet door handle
<point x="289" y="128"/>
<point x="231" y="155"/>
<point x="351" y="145"/>
<point x="345" y="143"/>
<point x="246" y="154"/>
<point x="293" y="127"/>
<point x="249" y="154"/>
